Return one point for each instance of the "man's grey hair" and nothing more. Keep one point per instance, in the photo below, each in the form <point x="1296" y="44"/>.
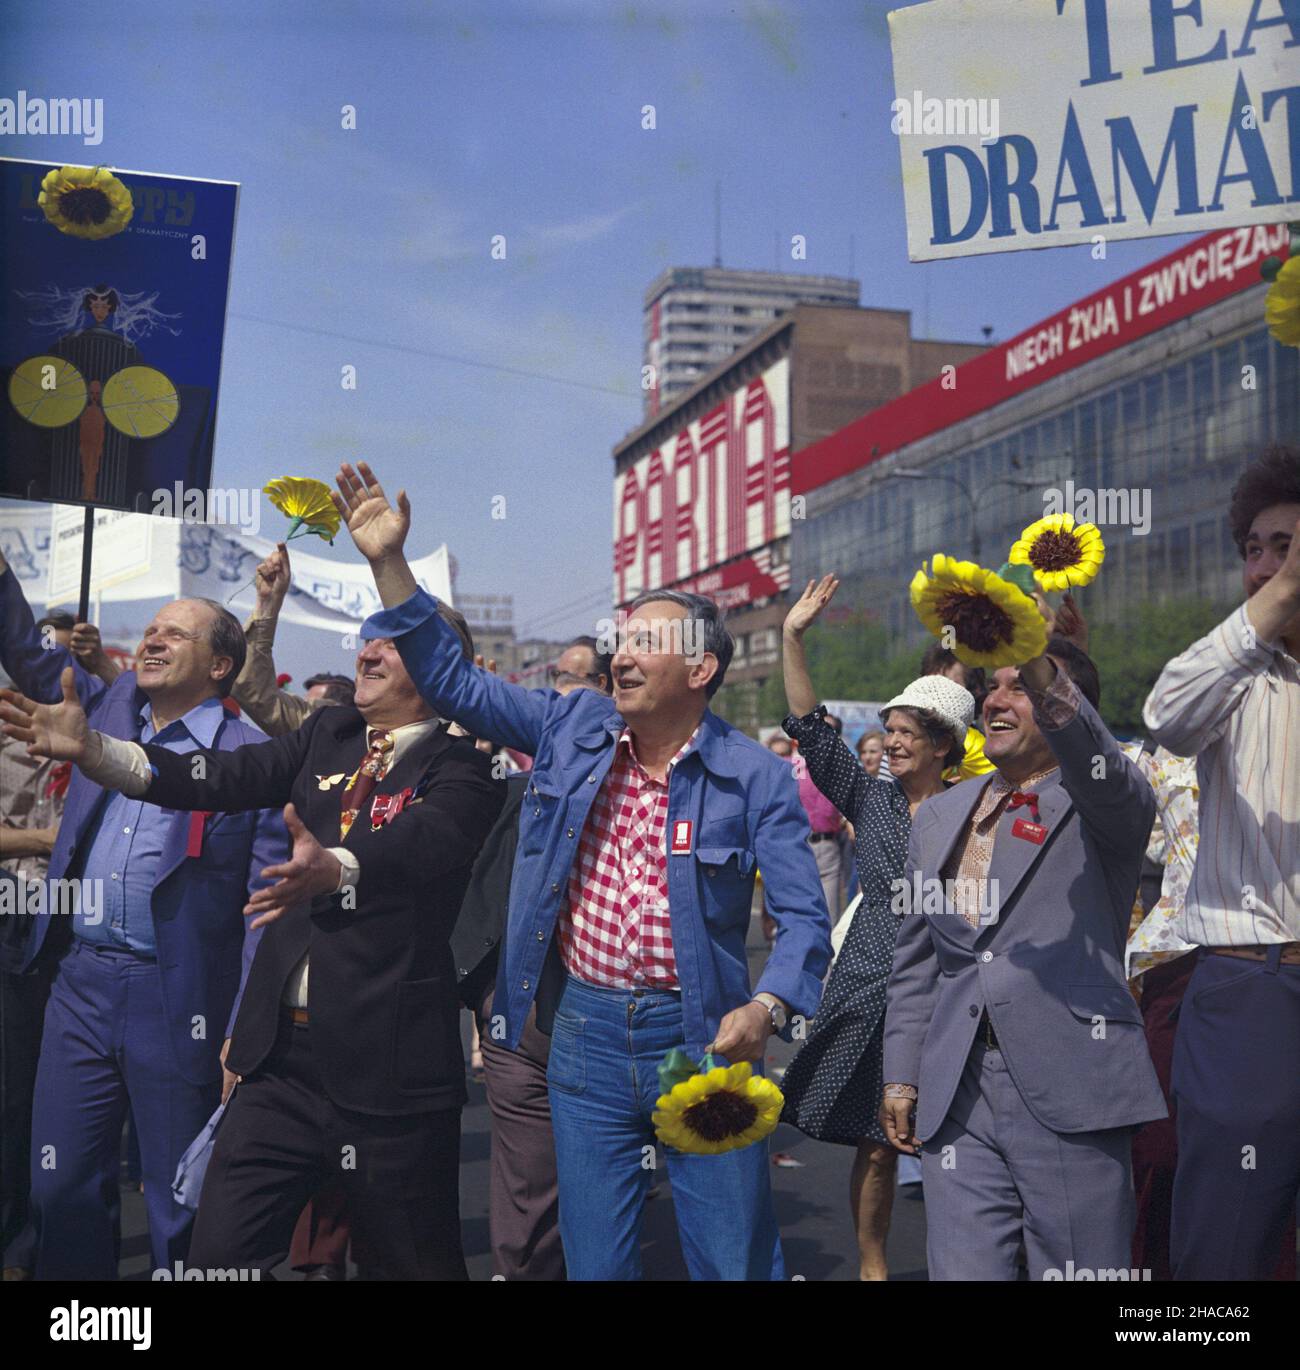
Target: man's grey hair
<point x="717" y="640"/>
<point x="226" y="638"/>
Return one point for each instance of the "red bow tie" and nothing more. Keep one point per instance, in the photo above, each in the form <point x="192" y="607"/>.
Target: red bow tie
<point x="1030" y="797"/>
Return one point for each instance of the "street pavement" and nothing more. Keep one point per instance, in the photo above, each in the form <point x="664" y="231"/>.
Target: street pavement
<point x="811" y="1197"/>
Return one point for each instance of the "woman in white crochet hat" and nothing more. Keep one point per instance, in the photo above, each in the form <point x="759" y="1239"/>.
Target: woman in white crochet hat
<point x="832" y="1088"/>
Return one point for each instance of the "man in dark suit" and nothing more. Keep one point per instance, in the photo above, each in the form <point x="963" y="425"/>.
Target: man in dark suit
<point x="364" y="1078"/>
<point x="148" y="962"/>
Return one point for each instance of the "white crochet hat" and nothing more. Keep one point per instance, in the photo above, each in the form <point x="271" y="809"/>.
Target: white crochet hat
<point x="952" y="704"/>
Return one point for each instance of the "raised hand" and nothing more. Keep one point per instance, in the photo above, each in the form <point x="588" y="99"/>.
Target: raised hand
<point x="88" y="647"/>
<point x="272" y="580"/>
<point x="57" y="731"/>
<point x="485" y="744"/>
<point x="378" y="529"/>
<point x="814" y="599"/>
<point x="309" y="871"/>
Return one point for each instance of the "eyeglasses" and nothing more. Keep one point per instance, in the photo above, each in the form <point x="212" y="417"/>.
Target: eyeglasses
<point x="570" y="677"/>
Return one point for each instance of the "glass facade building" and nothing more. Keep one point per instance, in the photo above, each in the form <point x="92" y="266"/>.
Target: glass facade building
<point x="1166" y="424"/>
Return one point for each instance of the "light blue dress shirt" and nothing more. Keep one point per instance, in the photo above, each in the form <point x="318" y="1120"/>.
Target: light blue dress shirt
<point x="126" y="842"/>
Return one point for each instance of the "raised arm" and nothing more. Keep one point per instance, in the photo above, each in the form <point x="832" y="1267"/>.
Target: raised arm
<point x="1113" y="797"/>
<point x="258" y="775"/>
<point x="274" y="710"/>
<point x="32" y="664"/>
<point x="1198" y="691"/>
<point x="430" y="650"/>
<point x="800" y="697"/>
<point x="481" y="702"/>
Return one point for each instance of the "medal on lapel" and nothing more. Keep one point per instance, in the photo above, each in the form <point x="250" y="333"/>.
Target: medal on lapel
<point x="385" y="807"/>
<point x="325" y="782"/>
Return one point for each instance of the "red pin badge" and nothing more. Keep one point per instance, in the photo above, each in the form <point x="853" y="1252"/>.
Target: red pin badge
<point x="1031" y="832"/>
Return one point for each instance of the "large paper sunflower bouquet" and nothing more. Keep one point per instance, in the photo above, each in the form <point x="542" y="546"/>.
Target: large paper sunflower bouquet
<point x="706" y="1109"/>
<point x="989" y="618"/>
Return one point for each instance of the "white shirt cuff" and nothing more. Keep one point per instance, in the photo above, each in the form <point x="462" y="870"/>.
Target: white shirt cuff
<point x="351" y="872"/>
<point x="120" y="765"/>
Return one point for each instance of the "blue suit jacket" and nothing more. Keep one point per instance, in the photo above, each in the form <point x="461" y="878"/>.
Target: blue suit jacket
<point x="203" y="941"/>
<point x="1047" y="962"/>
<point x="741" y="801"/>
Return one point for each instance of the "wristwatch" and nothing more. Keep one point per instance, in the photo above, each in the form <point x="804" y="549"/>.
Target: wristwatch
<point x="775" y="1010"/>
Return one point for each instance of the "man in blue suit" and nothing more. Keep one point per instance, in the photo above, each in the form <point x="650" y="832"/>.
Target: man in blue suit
<point x="143" y="914"/>
<point x="645" y="818"/>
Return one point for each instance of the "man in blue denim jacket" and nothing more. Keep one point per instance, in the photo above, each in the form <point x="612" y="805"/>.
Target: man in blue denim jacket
<point x="633" y="984"/>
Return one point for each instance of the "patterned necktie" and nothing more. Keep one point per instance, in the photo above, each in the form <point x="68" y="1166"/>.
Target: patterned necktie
<point x="369" y="774"/>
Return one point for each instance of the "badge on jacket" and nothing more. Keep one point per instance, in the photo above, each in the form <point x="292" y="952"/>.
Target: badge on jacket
<point x="681" y="837"/>
<point x="325" y="781"/>
<point x="1031" y="832"/>
<point x="385" y="807"/>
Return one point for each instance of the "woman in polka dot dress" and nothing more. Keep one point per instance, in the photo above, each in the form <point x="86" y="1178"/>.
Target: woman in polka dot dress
<point x="832" y="1088"/>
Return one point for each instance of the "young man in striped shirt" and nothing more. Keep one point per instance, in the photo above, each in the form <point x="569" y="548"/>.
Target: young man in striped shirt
<point x="1232" y="700"/>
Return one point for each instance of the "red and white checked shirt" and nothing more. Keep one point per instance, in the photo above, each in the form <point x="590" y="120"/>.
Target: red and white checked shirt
<point x="615" y="928"/>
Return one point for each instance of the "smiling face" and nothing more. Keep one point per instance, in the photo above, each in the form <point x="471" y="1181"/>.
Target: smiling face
<point x="912" y="756"/>
<point x="386" y="694"/>
<point x="653" y="674"/>
<point x="869" y="754"/>
<point x="175" y="660"/>
<point x="1013" y="742"/>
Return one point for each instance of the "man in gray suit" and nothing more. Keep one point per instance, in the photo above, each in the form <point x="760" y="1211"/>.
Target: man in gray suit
<point x="1015" y="1052"/>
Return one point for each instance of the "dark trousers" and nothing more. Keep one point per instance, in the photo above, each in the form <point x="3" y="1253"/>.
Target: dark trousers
<point x="1155" y="1144"/>
<point x="106" y="1044"/>
<point x="1238" y="1094"/>
<point x="22" y="1014"/>
<point x="524" y="1190"/>
<point x="282" y="1139"/>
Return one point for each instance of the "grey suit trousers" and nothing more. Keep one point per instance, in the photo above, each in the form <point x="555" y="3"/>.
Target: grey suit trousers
<point x="994" y="1176"/>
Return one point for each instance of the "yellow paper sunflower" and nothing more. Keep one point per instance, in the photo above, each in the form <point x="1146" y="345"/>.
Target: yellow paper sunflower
<point x="1061" y="552"/>
<point x="85" y="201"/>
<point x="991" y="622"/>
<point x="1282" y="304"/>
<point x="724" y="1109"/>
<point x="308" y="504"/>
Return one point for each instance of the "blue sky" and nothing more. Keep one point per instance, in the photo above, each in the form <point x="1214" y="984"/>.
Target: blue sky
<point x="476" y="377"/>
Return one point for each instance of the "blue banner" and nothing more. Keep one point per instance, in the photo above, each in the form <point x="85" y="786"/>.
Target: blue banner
<point x="113" y="289"/>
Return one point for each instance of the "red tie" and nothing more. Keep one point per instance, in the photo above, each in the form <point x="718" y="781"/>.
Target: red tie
<point x="369" y="774"/>
<point x="1030" y="797"/>
<point x="59" y="778"/>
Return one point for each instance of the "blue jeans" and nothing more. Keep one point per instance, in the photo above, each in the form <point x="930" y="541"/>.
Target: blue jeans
<point x="603" y="1077"/>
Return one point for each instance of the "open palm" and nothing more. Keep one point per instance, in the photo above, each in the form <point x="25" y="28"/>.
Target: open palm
<point x="58" y="731"/>
<point x="376" y="527"/>
<point x="814" y="599"/>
